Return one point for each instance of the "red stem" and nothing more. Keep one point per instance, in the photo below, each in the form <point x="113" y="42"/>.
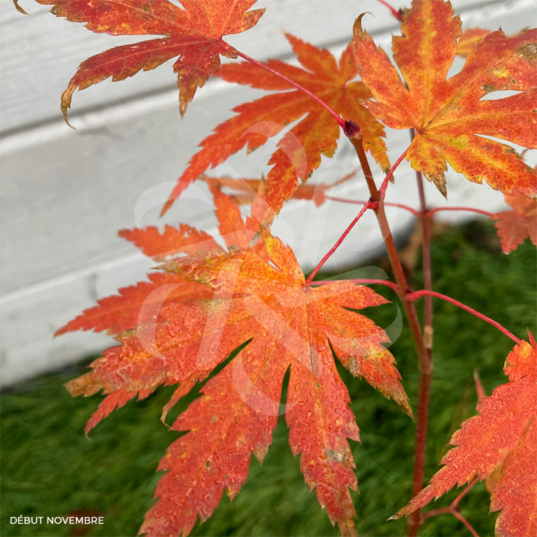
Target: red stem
<point x="424" y="292"/>
<point x="384" y="186"/>
<point x="424" y="362"/>
<point x="418" y="214"/>
<point x="436" y="512"/>
<point x="353" y="133"/>
<point x="360" y="280"/>
<point x="458" y="516"/>
<point x="420" y="448"/>
<point x="394" y="12"/>
<point x="340" y="121"/>
<point x="466" y="490"/>
<point x="386" y="203"/>
<point x="426" y="251"/>
<point x="425" y="378"/>
<point x="368" y="205"/>
<point x="453" y="509"/>
<point x="480" y="211"/>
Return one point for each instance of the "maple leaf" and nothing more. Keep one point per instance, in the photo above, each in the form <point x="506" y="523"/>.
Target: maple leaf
<point x="194" y="34"/>
<point x="299" y="151"/>
<point x="448" y="115"/>
<point x="504" y="434"/>
<point x="469" y="39"/>
<point x="135" y="304"/>
<point x="516" y="225"/>
<point x="139" y="303"/>
<point x="259" y="298"/>
<point x="246" y="190"/>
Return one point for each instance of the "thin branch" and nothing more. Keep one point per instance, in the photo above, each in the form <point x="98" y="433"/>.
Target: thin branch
<point x="430" y="212"/>
<point x="422" y="419"/>
<point x="389" y="175"/>
<point x="424" y="292"/>
<point x="420" y="447"/>
<point x="466" y="490"/>
<point x="416" y="213"/>
<point x="458" y="516"/>
<point x="368" y="205"/>
<point x="367" y="281"/>
<point x="436" y="512"/>
<point x="425" y="378"/>
<point x="453" y="509"/>
<point x="426" y="252"/>
<point x="386" y="203"/>
<point x="352" y="130"/>
<point x="340" y="121"/>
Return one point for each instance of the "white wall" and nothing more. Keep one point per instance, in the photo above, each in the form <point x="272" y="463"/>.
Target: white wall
<point x="65" y="194"/>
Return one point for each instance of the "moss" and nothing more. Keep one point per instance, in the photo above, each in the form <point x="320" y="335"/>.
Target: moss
<point x="50" y="469"/>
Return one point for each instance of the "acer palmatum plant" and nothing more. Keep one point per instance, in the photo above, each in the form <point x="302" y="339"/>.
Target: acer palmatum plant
<point x="207" y="300"/>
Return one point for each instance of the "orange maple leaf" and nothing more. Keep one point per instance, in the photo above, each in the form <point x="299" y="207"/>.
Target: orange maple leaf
<point x="503" y="434"/>
<point x="139" y="303"/>
<point x="194" y="34"/>
<point x="245" y="190"/>
<point x="516" y="225"/>
<point x="449" y="114"/>
<point x="260" y="300"/>
<point x="135" y="304"/>
<point x="469" y="39"/>
<point x="299" y="151"/>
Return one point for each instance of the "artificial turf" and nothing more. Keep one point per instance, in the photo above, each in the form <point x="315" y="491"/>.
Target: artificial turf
<point x="49" y="468"/>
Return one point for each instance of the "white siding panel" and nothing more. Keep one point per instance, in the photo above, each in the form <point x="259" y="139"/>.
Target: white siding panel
<point x="40" y="52"/>
<point x="65" y="193"/>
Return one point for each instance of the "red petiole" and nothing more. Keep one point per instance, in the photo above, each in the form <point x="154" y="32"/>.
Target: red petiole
<point x="430" y="212"/>
<point x="369" y="205"/>
<point x="386" y="203"/>
<point x="389" y="175"/>
<point x="395" y="12"/>
<point x="366" y="281"/>
<point x="424" y="292"/>
<point x="340" y="121"/>
<point x="416" y="213"/>
<point x="453" y="508"/>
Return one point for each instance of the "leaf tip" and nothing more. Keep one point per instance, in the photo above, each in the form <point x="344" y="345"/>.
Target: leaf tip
<point x="163" y="416"/>
<point x="59" y="332"/>
<point x="183" y="105"/>
<point x="19" y="8"/>
<point x="357" y="27"/>
<point x="481" y="393"/>
<point x="66" y="103"/>
<point x="166" y="207"/>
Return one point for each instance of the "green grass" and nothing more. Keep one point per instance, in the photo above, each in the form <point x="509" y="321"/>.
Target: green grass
<point x="49" y="468"/>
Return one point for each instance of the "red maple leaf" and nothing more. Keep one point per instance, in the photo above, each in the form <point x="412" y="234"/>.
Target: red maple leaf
<point x="259" y="297"/>
<point x="503" y="434"/>
<point x="194" y="34"/>
<point x="449" y="115"/>
<point x="299" y="151"/>
<point x="516" y="225"/>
